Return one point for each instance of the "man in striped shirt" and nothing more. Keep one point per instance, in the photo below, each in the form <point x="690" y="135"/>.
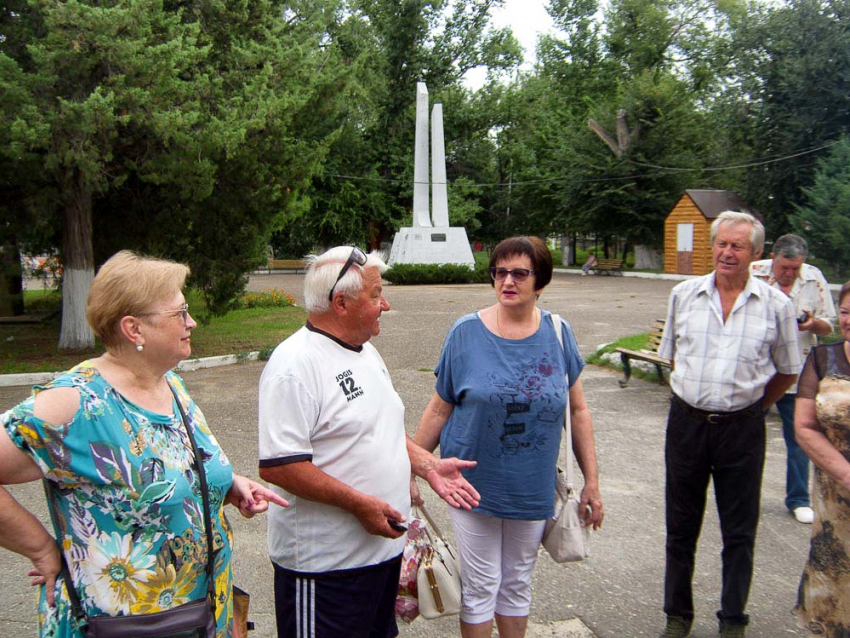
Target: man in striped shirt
<point x="733" y="343"/>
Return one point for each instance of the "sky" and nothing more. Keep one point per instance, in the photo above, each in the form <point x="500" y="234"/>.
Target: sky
<point x="527" y="19"/>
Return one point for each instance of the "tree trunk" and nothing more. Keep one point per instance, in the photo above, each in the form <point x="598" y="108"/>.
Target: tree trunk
<point x="11" y="281"/>
<point x="649" y="257"/>
<point x="376" y="237"/>
<point x="567" y="250"/>
<point x="77" y="264"/>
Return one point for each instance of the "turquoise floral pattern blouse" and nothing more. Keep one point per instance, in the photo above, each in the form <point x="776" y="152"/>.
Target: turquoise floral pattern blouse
<point x="129" y="512"/>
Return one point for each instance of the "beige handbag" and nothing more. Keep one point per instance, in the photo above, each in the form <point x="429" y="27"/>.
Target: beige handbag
<point x="438" y="579"/>
<point x="565" y="535"/>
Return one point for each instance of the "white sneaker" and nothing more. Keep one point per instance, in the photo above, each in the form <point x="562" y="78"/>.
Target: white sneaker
<point x="804" y="515"/>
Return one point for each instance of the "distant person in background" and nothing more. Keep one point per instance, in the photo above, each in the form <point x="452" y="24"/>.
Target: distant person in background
<point x="787" y="271"/>
<point x="822" y="422"/>
<point x="590" y="264"/>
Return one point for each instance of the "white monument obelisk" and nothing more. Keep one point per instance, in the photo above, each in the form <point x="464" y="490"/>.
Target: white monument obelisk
<point x="430" y="240"/>
<point x="439" y="187"/>
<point x="421" y="213"/>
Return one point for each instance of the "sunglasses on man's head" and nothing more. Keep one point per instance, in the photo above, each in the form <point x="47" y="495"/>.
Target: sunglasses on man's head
<point x="517" y="274"/>
<point x="358" y="257"/>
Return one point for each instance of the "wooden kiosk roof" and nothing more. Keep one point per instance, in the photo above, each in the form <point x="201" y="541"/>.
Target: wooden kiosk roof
<point x="713" y="202"/>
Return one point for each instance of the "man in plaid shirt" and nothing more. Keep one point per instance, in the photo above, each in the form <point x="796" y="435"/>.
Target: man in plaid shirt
<point x="733" y="343"/>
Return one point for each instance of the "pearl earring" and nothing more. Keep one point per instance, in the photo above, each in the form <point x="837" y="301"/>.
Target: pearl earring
<point x="139" y="347"/>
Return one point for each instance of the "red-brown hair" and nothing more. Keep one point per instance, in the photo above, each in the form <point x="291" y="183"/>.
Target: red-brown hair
<point x="530" y="246"/>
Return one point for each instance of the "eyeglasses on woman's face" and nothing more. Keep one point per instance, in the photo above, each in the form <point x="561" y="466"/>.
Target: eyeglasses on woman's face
<point x="519" y="275"/>
<point x="183" y="310"/>
<point x="358" y="257"/>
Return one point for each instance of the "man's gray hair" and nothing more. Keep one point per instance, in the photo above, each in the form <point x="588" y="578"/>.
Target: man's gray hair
<point x="322" y="271"/>
<point x="791" y="246"/>
<point x="734" y="218"/>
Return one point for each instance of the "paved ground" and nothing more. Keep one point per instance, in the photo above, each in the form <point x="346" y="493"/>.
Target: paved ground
<point x="617" y="591"/>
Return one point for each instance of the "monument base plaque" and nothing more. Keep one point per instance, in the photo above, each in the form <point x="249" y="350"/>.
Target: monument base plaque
<point x="431" y="246"/>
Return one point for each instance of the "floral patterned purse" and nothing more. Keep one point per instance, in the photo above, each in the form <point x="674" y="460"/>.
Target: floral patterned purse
<point x="192" y="620"/>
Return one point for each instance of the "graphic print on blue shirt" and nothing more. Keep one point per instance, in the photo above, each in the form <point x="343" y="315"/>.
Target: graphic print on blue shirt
<point x="349" y="386"/>
<point x="524" y="408"/>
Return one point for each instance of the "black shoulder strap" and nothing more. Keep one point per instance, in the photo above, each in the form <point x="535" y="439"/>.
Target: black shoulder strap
<point x="205" y="497"/>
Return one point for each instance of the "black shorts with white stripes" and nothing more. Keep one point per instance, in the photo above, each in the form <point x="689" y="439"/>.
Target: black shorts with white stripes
<point x="348" y="603"/>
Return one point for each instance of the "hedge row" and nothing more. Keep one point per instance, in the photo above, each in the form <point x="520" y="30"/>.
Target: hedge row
<point x="417" y="274"/>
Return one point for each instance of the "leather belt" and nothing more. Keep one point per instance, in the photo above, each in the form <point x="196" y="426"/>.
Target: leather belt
<point x="718" y="417"/>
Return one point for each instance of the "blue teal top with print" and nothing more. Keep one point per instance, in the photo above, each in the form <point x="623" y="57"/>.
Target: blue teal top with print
<point x="129" y="510"/>
<point x="509" y="398"/>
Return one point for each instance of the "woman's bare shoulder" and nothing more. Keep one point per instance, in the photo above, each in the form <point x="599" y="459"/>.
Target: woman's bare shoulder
<point x="57" y="405"/>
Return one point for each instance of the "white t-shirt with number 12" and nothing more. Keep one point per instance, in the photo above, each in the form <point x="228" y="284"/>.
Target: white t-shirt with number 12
<point x="334" y="405"/>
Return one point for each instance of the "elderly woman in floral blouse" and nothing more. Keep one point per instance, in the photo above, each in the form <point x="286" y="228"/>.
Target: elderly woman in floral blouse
<point x="109" y="438"/>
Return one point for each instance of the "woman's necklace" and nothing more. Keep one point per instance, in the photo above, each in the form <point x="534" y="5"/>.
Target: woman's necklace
<point x="536" y="322"/>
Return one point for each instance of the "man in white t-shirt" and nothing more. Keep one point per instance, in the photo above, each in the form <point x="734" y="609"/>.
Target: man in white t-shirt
<point x="332" y="440"/>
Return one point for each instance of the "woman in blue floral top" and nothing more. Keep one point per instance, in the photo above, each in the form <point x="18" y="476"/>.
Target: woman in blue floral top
<point x="109" y="437"/>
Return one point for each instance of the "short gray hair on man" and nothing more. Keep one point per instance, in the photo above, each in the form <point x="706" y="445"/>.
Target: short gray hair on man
<point x="791" y="246"/>
<point x="322" y="271"/>
<point x="734" y="218"/>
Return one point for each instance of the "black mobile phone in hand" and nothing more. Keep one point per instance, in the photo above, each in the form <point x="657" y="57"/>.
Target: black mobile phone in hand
<point x="396" y="526"/>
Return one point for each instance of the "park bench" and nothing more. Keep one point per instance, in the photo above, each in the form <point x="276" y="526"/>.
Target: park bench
<point x="608" y="267"/>
<point x="287" y="264"/>
<point x="649" y="354"/>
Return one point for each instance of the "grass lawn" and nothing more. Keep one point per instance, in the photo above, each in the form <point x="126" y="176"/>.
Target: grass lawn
<point x="632" y="342"/>
<point x="32" y="347"/>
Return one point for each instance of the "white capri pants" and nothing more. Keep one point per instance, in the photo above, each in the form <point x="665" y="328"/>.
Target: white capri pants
<point x="497" y="557"/>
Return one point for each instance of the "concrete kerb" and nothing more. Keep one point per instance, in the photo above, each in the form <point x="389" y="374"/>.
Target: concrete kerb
<point x="35" y="378"/>
<point x="637" y="274"/>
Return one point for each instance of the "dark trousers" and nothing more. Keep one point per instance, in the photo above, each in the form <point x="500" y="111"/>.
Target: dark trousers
<point x="348" y="603"/>
<point x="731" y="452"/>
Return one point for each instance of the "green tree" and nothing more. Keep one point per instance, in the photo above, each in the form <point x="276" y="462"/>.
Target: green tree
<point x="394" y="44"/>
<point x="630" y="196"/>
<point x="464" y="205"/>
<point x="89" y="72"/>
<point x="657" y="63"/>
<point x="825" y="218"/>
<point x="267" y="122"/>
<point x="25" y="219"/>
<point x="793" y="67"/>
<point x="184" y="130"/>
